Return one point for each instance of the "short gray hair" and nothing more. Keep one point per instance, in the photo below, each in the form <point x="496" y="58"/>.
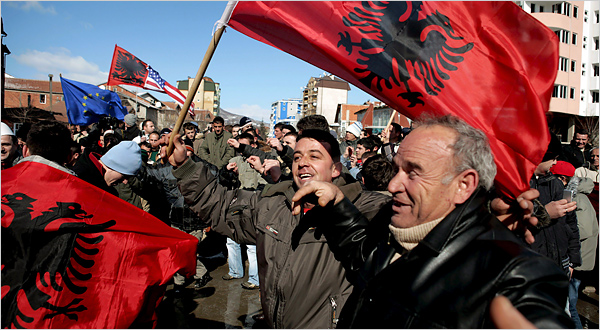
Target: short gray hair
<point x="471" y="148"/>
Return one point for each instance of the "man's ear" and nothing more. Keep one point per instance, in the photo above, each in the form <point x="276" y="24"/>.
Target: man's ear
<point x="467" y="182"/>
<point x="26" y="152"/>
<point x="337" y="170"/>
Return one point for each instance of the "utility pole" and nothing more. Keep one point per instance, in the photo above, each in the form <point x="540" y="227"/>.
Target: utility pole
<point x="50" y="76"/>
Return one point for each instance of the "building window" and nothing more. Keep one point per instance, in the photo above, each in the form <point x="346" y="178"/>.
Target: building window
<point x="575" y="11"/>
<point x="596" y="70"/>
<point x="596" y="43"/>
<point x="573" y="65"/>
<point x="533" y="7"/>
<point x="564" y="64"/>
<point x="42" y="98"/>
<point x="574" y="39"/>
<point x="562" y="35"/>
<point x="560" y="91"/>
<point x="583" y="73"/>
<point x="582" y="94"/>
<point x="596" y="17"/>
<point x="541" y="9"/>
<point x="562" y="8"/>
<point x="595" y="96"/>
<point x="572" y="93"/>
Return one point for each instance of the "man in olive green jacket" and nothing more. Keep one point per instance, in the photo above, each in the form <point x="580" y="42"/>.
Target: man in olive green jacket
<point x="215" y="149"/>
<point x="301" y="283"/>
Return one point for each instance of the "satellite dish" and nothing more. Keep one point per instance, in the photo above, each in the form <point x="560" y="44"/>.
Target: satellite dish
<point x="102" y="87"/>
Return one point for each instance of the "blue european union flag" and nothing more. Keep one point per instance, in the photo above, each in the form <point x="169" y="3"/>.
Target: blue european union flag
<point x="87" y="103"/>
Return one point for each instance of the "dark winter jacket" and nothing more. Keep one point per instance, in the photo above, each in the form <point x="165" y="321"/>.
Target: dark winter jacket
<point x="558" y="241"/>
<point x="575" y="156"/>
<point x="131" y="133"/>
<point x="90" y="170"/>
<point x="301" y="283"/>
<point x="449" y="279"/>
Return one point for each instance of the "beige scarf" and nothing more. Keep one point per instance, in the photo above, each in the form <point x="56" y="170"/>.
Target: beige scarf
<point x="408" y="238"/>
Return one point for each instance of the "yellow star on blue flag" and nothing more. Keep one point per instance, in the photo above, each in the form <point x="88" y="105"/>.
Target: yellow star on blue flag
<point x="106" y="103"/>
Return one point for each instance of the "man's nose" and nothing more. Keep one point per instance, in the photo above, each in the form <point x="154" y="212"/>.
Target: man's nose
<point x="397" y="183"/>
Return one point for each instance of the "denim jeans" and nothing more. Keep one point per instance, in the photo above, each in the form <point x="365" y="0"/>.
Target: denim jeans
<point x="234" y="259"/>
<point x="252" y="266"/>
<point x="236" y="267"/>
<point x="573" y="296"/>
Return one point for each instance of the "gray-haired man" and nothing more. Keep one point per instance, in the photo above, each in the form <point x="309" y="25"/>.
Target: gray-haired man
<point x="439" y="258"/>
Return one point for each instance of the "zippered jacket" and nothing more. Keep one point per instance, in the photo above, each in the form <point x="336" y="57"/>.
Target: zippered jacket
<point x="302" y="285"/>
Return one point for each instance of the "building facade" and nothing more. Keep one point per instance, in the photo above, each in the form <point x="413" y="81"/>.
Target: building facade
<point x="322" y="95"/>
<point x="575" y="99"/>
<point x="285" y="111"/>
<point x="208" y="95"/>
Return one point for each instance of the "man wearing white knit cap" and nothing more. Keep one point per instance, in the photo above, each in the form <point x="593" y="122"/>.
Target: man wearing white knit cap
<point x="10" y="150"/>
<point x="349" y="144"/>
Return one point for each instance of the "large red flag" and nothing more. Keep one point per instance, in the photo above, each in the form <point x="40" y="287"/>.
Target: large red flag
<point x="489" y="63"/>
<point x="127" y="69"/>
<point x="75" y="256"/>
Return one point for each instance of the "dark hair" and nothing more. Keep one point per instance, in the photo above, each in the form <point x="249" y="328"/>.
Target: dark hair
<point x="581" y="131"/>
<point x="228" y="128"/>
<point x="294" y="134"/>
<point x="313" y="122"/>
<point x="51" y="140"/>
<point x="377" y="173"/>
<point x="367" y="143"/>
<point x="145" y="122"/>
<point x="153" y="132"/>
<point x="75" y="148"/>
<point x="235" y="125"/>
<point x="189" y="126"/>
<point x="22" y="132"/>
<point x="145" y="144"/>
<point x="246" y="135"/>
<point x="218" y="119"/>
<point x="323" y="137"/>
<point x="111" y="140"/>
<point x="278" y="125"/>
<point x="289" y="128"/>
<point x="376" y="141"/>
<point x="367" y="154"/>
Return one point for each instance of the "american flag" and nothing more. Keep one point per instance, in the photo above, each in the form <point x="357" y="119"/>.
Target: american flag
<point x="155" y="82"/>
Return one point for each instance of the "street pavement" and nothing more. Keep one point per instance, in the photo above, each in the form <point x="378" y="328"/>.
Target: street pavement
<point x="226" y="305"/>
<point x="220" y="304"/>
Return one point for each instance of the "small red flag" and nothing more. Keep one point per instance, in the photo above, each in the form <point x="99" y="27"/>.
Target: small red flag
<point x="127" y="69"/>
<point x="75" y="256"/>
<point x="489" y="63"/>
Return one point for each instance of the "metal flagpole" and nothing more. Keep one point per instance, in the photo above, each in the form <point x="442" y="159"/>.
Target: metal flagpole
<point x="201" y="71"/>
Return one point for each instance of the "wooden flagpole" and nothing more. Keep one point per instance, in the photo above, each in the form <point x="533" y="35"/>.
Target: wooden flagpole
<point x="391" y="119"/>
<point x="194" y="88"/>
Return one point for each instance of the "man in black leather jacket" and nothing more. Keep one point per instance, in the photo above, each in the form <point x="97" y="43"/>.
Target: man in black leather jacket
<point x="438" y="258"/>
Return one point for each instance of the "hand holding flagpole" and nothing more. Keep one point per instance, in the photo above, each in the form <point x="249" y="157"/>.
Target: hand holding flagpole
<point x="201" y="71"/>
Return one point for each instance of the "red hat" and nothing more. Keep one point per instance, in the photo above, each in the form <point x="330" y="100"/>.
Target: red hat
<point x="563" y="168"/>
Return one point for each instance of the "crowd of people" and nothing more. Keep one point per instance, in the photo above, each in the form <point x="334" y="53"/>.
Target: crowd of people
<point x="399" y="229"/>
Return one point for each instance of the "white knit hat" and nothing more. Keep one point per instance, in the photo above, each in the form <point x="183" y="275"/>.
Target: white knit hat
<point x="6" y="130"/>
<point x="355" y="128"/>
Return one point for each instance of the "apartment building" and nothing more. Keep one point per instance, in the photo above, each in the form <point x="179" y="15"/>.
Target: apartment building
<point x="208" y="95"/>
<point x="575" y="100"/>
<point x="286" y="111"/>
<point x="322" y="95"/>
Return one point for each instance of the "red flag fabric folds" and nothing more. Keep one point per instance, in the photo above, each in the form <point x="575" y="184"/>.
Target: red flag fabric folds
<point x="129" y="70"/>
<point x="74" y="256"/>
<point x="489" y="63"/>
